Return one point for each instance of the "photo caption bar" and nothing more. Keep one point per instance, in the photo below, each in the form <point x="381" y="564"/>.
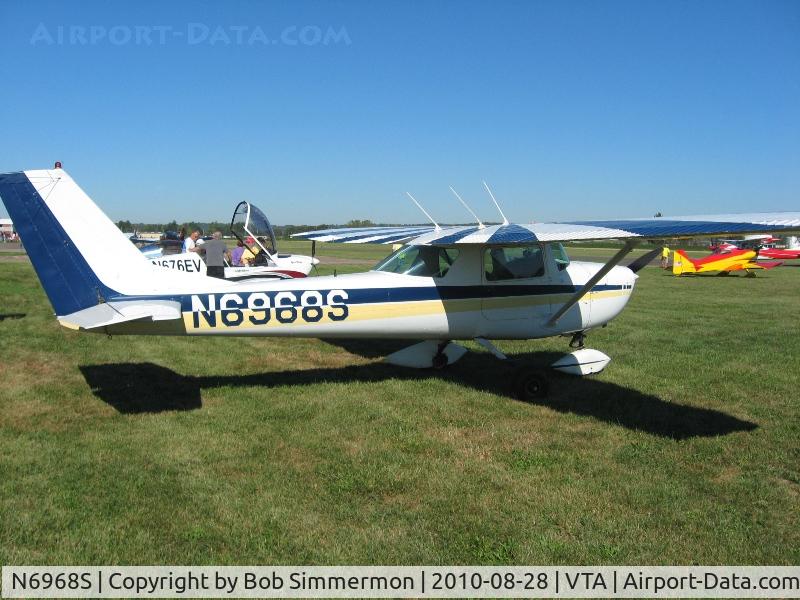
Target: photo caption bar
<point x="400" y="582"/>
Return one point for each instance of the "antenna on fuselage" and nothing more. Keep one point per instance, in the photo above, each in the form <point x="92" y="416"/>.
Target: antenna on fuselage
<point x="419" y="206"/>
<point x="505" y="221"/>
<point x="460" y="199"/>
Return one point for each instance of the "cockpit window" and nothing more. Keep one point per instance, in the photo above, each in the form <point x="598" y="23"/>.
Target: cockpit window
<point x="513" y="262"/>
<point x="560" y="255"/>
<point x="423" y="261"/>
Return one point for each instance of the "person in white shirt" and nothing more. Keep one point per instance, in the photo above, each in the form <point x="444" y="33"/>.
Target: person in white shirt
<point x="190" y="243"/>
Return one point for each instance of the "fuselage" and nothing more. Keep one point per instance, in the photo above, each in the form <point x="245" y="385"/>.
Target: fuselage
<point x="464" y="302"/>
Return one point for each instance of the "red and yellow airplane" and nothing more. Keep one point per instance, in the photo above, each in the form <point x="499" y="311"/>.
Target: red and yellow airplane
<point x="733" y="260"/>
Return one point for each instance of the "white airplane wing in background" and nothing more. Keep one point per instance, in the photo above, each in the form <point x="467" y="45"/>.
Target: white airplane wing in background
<point x="656" y="228"/>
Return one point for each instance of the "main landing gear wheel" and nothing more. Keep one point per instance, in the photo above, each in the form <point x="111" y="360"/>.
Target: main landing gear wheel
<point x="530" y="384"/>
<point x="439" y="361"/>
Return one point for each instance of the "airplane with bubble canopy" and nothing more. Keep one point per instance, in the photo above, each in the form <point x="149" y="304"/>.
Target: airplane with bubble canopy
<point x="445" y="284"/>
<point x="250" y="226"/>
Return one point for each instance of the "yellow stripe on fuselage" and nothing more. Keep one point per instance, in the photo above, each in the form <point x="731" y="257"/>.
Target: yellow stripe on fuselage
<point x="387" y="310"/>
<point x="733" y="263"/>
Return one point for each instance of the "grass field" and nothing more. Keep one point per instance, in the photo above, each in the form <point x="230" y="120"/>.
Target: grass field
<point x="257" y="451"/>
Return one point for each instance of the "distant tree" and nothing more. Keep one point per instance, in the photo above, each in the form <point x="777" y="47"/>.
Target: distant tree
<point x="218" y="226"/>
<point x="171" y="226"/>
<point x="360" y="223"/>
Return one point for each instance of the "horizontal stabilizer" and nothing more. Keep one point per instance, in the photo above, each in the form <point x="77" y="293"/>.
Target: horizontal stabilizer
<point x="114" y="313"/>
<point x="768" y="264"/>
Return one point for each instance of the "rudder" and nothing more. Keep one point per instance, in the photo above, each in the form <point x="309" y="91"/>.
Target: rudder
<point x="682" y="264"/>
<point x="79" y="255"/>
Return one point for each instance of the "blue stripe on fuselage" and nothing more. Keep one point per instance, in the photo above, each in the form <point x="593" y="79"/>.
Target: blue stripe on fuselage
<point x="417" y="294"/>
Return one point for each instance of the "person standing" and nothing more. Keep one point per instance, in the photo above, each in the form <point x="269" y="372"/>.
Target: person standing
<point x="664" y="257"/>
<point x="236" y="254"/>
<point x="216" y="252"/>
<point x="190" y="243"/>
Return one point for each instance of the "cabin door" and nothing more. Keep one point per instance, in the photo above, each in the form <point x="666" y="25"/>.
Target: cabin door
<point x="517" y="284"/>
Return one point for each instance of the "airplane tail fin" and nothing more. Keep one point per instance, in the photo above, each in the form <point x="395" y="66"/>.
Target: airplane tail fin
<point x="80" y="256"/>
<point x="682" y="264"/>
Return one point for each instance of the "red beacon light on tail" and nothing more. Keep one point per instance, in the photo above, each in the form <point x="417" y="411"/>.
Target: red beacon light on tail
<point x="58" y="164"/>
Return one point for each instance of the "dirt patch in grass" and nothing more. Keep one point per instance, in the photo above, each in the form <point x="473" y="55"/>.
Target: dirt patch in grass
<point x="791" y="486"/>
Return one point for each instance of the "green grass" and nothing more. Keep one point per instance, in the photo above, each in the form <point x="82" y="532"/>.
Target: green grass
<point x="277" y="451"/>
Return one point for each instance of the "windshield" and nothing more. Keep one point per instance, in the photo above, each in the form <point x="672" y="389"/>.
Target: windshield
<point x="422" y="261"/>
<point x="249" y="222"/>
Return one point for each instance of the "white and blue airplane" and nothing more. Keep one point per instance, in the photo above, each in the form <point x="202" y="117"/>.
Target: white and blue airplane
<point x="252" y="228"/>
<point x="476" y="282"/>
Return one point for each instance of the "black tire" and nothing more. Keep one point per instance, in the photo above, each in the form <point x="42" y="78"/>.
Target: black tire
<point x="439" y="361"/>
<point x="531" y="384"/>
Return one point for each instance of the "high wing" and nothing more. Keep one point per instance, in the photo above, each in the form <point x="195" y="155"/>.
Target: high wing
<point x="366" y="235"/>
<point x="673" y="227"/>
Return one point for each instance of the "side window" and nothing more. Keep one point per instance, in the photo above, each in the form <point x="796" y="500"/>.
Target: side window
<point x="513" y="262"/>
<point x="447" y="256"/>
<point x="423" y="261"/>
<point x="560" y="255"/>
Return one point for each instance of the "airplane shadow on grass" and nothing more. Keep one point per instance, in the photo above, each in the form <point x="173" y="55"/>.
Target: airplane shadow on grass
<point x="133" y="388"/>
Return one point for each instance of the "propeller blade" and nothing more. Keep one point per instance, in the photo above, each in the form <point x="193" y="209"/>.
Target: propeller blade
<point x="644" y="260"/>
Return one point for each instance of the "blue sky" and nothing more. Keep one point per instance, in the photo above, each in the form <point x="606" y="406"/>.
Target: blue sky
<point x="568" y="109"/>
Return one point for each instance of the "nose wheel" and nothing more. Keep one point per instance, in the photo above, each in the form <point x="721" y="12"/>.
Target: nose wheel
<point x="578" y="340"/>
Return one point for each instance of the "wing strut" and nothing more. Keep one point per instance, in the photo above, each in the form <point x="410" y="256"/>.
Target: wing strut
<point x="615" y="260"/>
